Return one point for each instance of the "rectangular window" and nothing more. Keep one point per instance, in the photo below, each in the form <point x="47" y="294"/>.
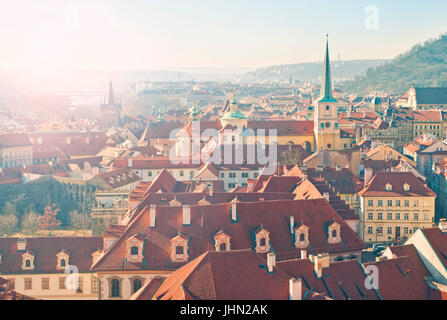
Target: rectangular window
<point x="370" y="216"/>
<point x="416" y="216"/>
<point x="379" y="216"/>
<point x="370" y="203"/>
<point x="380" y="203"/>
<point x="379" y="230"/>
<point x="149" y="173"/>
<point x="182" y="173"/>
<point x="222" y="175"/>
<point x="62" y="283"/>
<point x="12" y="284"/>
<point x="407" y="203"/>
<point x="406" y="216"/>
<point x="28" y="283"/>
<point x="244" y="174"/>
<point x="80" y="285"/>
<point x="405" y="230"/>
<point x="390" y="230"/>
<point x="95" y="285"/>
<point x="397" y="216"/>
<point x="390" y="216"/>
<point x="416" y="203"/>
<point x="45" y="283"/>
<point x="370" y="230"/>
<point x="397" y="203"/>
<point x="390" y="203"/>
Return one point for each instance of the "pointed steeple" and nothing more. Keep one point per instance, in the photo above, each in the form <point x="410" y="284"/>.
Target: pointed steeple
<point x="111" y="99"/>
<point x="326" y="81"/>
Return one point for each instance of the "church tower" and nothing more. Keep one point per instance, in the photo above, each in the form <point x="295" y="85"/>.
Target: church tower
<point x="327" y="133"/>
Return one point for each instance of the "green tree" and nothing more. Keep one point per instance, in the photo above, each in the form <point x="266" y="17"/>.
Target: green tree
<point x="8" y="224"/>
<point x="30" y="223"/>
<point x="80" y="222"/>
<point x="48" y="220"/>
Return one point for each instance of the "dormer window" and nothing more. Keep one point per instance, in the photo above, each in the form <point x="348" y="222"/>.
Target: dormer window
<point x="334" y="235"/>
<point x="96" y="255"/>
<point x="406" y="187"/>
<point x="179" y="248"/>
<point x="302" y="237"/>
<point x="262" y="237"/>
<point x="135" y="248"/>
<point x="62" y="259"/>
<point x="388" y="187"/>
<point x="222" y="241"/>
<point x="28" y="261"/>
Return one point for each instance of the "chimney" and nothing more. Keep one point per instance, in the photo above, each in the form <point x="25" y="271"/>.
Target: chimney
<point x="87" y="140"/>
<point x="338" y="167"/>
<point x="442" y="225"/>
<point x="321" y="261"/>
<point x="152" y="216"/>
<point x="292" y="224"/>
<point x="320" y="168"/>
<point x="68" y="140"/>
<point x="21" y="244"/>
<point x="186" y="215"/>
<point x="368" y="174"/>
<point x="39" y="140"/>
<point x="326" y="196"/>
<point x="271" y="261"/>
<point x="303" y="254"/>
<point x="295" y="289"/>
<point x="129" y="163"/>
<point x="233" y="210"/>
<point x="211" y="188"/>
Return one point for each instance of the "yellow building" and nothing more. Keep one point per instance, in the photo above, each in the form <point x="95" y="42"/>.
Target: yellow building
<point x="393" y="206"/>
<point x="428" y="122"/>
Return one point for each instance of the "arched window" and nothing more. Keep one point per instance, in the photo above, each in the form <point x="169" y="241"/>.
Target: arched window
<point x="134" y="251"/>
<point x="262" y="242"/>
<point x="136" y="285"/>
<point x="223" y="247"/>
<point x="114" y="288"/>
<point x="179" y="250"/>
<point x="334" y="233"/>
<point x="63" y="263"/>
<point x="27" y="263"/>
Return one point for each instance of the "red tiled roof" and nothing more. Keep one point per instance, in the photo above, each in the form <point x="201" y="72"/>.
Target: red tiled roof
<point x="438" y="242"/>
<point x="118" y="177"/>
<point x="45" y="250"/>
<point x="14" y="140"/>
<point x="206" y="220"/>
<point x="221" y="276"/>
<point x="376" y="186"/>
<point x="284" y="127"/>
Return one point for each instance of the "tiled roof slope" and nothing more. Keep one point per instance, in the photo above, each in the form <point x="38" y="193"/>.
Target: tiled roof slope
<point x="206" y="220"/>
<point x="45" y="250"/>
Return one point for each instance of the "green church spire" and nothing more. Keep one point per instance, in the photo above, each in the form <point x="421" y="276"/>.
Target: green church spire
<point x="326" y="81"/>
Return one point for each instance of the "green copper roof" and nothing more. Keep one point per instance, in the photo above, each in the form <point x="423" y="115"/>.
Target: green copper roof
<point x="234" y="115"/>
<point x="326" y="82"/>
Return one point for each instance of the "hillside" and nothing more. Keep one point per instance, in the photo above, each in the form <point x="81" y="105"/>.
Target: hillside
<point x="345" y="70"/>
<point x="424" y="65"/>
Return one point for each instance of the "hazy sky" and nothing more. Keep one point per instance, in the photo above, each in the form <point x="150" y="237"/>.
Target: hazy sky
<point x="152" y="34"/>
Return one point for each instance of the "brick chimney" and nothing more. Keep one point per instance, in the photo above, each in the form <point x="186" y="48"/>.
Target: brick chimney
<point x="292" y="223"/>
<point x="233" y="210"/>
<point x="186" y="209"/>
<point x="303" y="254"/>
<point x="129" y="163"/>
<point x="271" y="261"/>
<point x="326" y="196"/>
<point x="152" y="216"/>
<point x="321" y="261"/>
<point x="368" y="174"/>
<point x="295" y="289"/>
<point x="21" y="244"/>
